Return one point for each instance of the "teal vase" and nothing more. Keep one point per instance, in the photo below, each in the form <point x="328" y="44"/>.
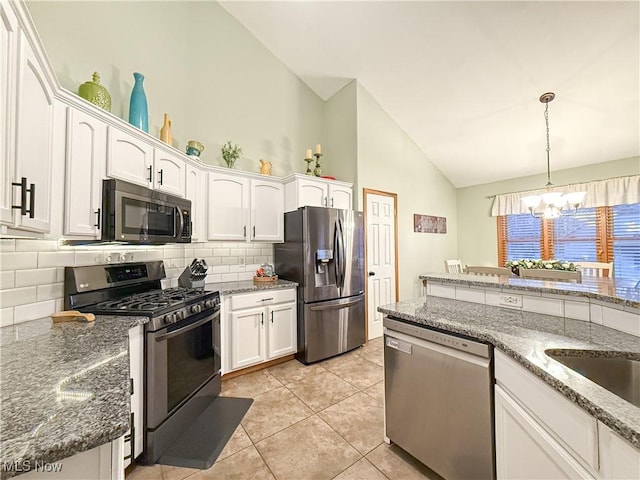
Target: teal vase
<point x="138" y="111"/>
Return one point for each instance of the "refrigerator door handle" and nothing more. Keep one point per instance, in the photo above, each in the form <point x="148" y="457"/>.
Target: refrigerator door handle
<point x="317" y="308"/>
<point x="343" y="255"/>
<point x="336" y="249"/>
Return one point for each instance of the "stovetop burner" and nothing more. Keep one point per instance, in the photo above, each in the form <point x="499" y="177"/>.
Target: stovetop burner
<point x="152" y="302"/>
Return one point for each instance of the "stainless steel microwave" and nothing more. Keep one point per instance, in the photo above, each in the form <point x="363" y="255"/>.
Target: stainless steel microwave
<point x="135" y="214"/>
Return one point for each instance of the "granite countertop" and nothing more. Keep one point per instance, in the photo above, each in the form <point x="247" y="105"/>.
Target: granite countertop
<point x="610" y="290"/>
<point x="245" y="286"/>
<point x="64" y="387"/>
<point x="525" y="336"/>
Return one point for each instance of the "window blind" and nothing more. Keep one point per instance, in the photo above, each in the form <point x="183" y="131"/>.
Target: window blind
<point x="626" y="241"/>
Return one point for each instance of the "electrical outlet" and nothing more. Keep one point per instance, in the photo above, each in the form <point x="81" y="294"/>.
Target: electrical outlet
<point x="514" y="301"/>
<point x="241" y="261"/>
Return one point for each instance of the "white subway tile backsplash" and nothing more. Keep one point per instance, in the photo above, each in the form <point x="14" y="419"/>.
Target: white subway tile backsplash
<point x="203" y="252"/>
<point x="55" y="259"/>
<point x="17" y="260"/>
<point x="7" y="245"/>
<point x="213" y="278"/>
<point x="6" y="317"/>
<point x="214" y="260"/>
<point x="33" y="311"/>
<point x="595" y="313"/>
<point x="17" y="296"/>
<point x="230" y="261"/>
<point x="7" y="279"/>
<point x="229" y="277"/>
<point x="470" y="295"/>
<point x="548" y="306"/>
<point x="60" y="274"/>
<point x="576" y="310"/>
<point x="218" y="269"/>
<point x="221" y="252"/>
<point x="620" y="320"/>
<point x="238" y="252"/>
<point x="254" y="251"/>
<point x="245" y="276"/>
<point x="50" y="292"/>
<point x="32" y="245"/>
<point x="39" y="276"/>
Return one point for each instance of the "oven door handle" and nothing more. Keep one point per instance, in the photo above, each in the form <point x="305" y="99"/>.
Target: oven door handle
<point x="182" y="330"/>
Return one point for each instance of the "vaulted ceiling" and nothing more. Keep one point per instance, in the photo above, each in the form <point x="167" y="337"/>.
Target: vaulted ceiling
<point x="463" y="79"/>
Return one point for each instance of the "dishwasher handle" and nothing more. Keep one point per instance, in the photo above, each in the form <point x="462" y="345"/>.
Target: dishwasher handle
<point x="398" y="344"/>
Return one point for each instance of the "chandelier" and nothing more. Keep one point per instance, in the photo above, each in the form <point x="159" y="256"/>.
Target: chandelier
<point x="554" y="203"/>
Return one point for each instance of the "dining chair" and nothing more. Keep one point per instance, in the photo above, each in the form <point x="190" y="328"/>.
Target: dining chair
<point x="595" y="269"/>
<point x="453" y="266"/>
<point x="557" y="275"/>
<point x="488" y="271"/>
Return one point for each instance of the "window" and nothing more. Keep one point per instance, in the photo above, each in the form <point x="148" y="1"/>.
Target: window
<point x="602" y="234"/>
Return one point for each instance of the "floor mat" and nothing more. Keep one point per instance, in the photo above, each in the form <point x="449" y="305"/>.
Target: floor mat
<point x="200" y="445"/>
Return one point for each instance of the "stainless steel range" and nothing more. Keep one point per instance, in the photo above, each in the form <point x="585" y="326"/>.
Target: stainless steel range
<point x="181" y="344"/>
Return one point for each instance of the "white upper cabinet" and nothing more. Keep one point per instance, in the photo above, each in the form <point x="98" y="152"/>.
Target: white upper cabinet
<point x="86" y="155"/>
<point x="28" y="104"/>
<point x="306" y="190"/>
<point x="267" y="210"/>
<point x="129" y="158"/>
<point x="196" y="191"/>
<point x="245" y="208"/>
<point x="135" y="160"/>
<point x="169" y="173"/>
<point x="228" y="209"/>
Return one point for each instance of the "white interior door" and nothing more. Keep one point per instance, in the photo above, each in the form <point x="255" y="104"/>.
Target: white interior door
<point x="381" y="257"/>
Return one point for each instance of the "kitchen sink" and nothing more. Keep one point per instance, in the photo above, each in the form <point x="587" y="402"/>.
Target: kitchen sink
<point x="620" y="375"/>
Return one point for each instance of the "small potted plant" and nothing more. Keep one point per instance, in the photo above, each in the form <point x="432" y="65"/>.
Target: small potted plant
<point x="230" y="153"/>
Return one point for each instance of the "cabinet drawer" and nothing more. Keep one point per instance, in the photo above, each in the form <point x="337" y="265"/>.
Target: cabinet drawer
<point x="568" y="423"/>
<point x="265" y="297"/>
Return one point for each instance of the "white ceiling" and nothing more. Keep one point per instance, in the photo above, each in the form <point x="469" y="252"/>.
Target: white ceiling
<point x="463" y="78"/>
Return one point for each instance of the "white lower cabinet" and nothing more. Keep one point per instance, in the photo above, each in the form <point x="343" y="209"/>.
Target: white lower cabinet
<point x="524" y="449"/>
<point x="541" y="434"/>
<point x="99" y="463"/>
<point x="259" y="326"/>
<point x="133" y="439"/>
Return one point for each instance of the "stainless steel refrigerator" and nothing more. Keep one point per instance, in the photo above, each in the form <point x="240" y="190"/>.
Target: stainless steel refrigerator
<point x="324" y="252"/>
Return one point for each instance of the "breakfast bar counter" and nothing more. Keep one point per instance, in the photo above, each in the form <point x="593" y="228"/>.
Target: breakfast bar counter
<point x="64" y="389"/>
<point x="524" y="336"/>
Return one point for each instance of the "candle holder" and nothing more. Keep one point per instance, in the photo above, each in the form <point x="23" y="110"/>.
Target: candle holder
<point x="309" y="171"/>
<point x="317" y="171"/>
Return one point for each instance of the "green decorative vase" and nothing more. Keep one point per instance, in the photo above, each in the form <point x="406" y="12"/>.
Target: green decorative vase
<point x="96" y="93"/>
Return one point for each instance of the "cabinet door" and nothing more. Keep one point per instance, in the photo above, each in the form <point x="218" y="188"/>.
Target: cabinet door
<point x="524" y="449"/>
<point x="34" y="137"/>
<point x="196" y="191"/>
<point x="267" y="211"/>
<point x="312" y="193"/>
<point x="136" y="355"/>
<point x="129" y="159"/>
<point x="8" y="46"/>
<point x="169" y="173"/>
<point x="86" y="157"/>
<point x="282" y="329"/>
<point x="618" y="458"/>
<point x="228" y="207"/>
<point x="340" y="197"/>
<point x="247" y="337"/>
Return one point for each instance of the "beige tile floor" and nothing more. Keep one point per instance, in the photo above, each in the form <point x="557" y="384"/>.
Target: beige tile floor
<point x="321" y="421"/>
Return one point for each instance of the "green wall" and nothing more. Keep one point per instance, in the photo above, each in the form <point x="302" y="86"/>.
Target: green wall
<point x="216" y="81"/>
<point x="477" y="230"/>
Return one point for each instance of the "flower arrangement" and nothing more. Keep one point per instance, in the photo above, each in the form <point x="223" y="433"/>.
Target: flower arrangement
<point x="516" y="265"/>
<point x="230" y="153"/>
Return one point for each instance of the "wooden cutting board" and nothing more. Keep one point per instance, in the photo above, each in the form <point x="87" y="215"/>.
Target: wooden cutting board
<point x="72" y="316"/>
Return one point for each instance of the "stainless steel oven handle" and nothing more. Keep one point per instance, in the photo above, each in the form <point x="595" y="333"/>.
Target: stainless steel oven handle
<point x="182" y="330"/>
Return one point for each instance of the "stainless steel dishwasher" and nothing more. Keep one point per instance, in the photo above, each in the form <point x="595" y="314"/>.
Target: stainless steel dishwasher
<point x="439" y="399"/>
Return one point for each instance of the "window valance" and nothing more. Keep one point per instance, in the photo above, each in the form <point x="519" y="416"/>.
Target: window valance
<point x="600" y="193"/>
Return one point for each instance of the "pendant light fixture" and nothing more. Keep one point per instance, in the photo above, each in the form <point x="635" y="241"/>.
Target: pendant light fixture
<point x="555" y="203"/>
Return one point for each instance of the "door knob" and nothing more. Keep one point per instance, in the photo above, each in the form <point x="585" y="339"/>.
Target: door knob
<point x="371" y="274"/>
